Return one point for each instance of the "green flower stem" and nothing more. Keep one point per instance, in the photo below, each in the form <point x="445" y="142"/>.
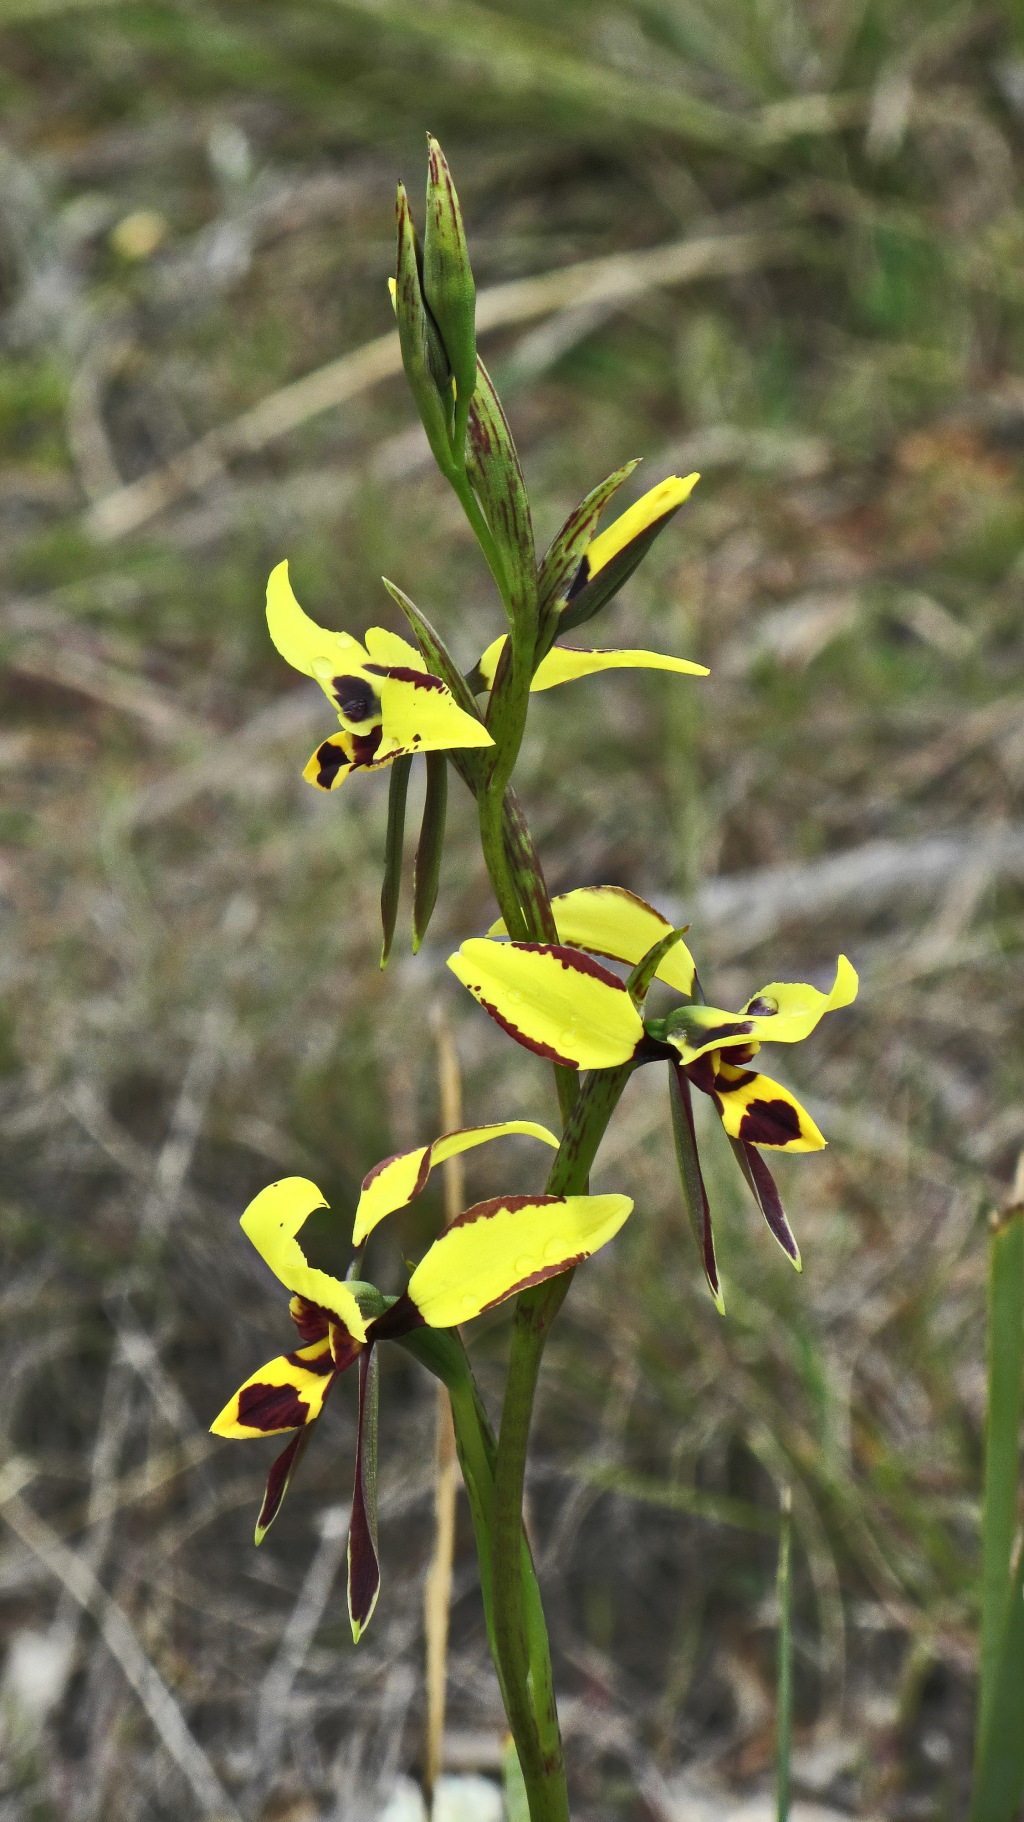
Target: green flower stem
<point x="467" y="499"/>
<point x="527" y="1686"/>
<point x="517" y="1619"/>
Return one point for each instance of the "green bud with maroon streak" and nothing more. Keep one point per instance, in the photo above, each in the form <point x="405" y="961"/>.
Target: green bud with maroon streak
<point x="423" y="355"/>
<point x="448" y="286"/>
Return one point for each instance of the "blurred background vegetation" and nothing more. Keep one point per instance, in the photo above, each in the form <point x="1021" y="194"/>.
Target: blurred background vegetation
<point x="195" y="212"/>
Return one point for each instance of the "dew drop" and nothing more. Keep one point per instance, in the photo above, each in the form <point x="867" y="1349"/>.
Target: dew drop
<point x="322" y="667"/>
<point x="525" y="1264"/>
<point x="553" y="1249"/>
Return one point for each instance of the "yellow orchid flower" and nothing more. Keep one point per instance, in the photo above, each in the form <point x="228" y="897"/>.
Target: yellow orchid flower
<point x="562" y="1003"/>
<point x="604" y="565"/>
<point x="487" y="1254"/>
<point x="386" y="700"/>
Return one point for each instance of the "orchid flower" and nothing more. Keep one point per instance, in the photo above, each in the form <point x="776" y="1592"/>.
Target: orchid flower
<point x="488" y="1253"/>
<point x="606" y="561"/>
<point x="562" y="1003"/>
<point x="387" y="702"/>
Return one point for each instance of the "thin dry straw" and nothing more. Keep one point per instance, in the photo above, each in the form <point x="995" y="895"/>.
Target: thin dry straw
<point x="784" y="1683"/>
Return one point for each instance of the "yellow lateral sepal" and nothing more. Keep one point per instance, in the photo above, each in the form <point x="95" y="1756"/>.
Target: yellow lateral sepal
<point x="307" y="647"/>
<point x="638" y="518"/>
<point x="784" y="1012"/>
<point x="506" y="1244"/>
<point x="284" y="1394"/>
<point x="397" y="1180"/>
<point x="608" y="920"/>
<point x="763" y="1112"/>
<point x="552" y="999"/>
<point x="564" y="663"/>
<point x="272" y="1221"/>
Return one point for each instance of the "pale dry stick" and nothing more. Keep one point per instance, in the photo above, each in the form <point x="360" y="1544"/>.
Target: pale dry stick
<point x="612" y="281"/>
<point x="437" y="1590"/>
<point x="272" y="1706"/>
<point x="121" y="1640"/>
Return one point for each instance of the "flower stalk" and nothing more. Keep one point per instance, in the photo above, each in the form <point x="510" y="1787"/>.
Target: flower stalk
<point x="541" y="972"/>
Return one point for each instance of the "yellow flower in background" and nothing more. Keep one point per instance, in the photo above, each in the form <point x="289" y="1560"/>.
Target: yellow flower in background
<point x="561" y="1002"/>
<point x="386" y="700"/>
<point x="488" y="1253"/>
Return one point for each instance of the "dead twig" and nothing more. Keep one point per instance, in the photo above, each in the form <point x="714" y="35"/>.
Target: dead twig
<point x="122" y="1642"/>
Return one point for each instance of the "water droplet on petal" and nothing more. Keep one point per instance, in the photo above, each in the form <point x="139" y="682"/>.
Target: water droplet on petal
<point x="554" y="1249"/>
<point x="525" y="1264"/>
<point x="322" y="667"/>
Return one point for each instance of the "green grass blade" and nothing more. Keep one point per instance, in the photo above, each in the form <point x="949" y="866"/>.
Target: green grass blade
<point x="1002" y="1439"/>
<point x="784" y="1674"/>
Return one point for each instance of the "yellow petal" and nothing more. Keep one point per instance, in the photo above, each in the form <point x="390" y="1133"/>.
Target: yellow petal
<point x="397" y="1180"/>
<point x="784" y="1012"/>
<point x="283" y="1395"/>
<point x="343" y="753"/>
<point x="557" y="1002"/>
<point x="610" y="921"/>
<point x="760" y="1111"/>
<point x="387" y="648"/>
<point x="420" y="715"/>
<point x="504" y="1245"/>
<point x="565" y="662"/>
<point x="272" y="1222"/>
<point x="302" y="644"/>
<point x="666" y="497"/>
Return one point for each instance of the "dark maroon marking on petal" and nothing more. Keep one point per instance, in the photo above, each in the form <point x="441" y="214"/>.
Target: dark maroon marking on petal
<point x="762" y="1008"/>
<point x="279" y="1478"/>
<point x="580" y="579"/>
<point x="400" y="673"/>
<point x="330" y="757"/>
<point x="321" y="1365"/>
<point x="344" y="1347"/>
<point x="356" y="698"/>
<point x="540" y="1049"/>
<point x="421" y="1178"/>
<point x="770" y="1123"/>
<point x="482" y="1211"/>
<point x="364" y="746"/>
<point x="651" y="1050"/>
<point x="400" y="1319"/>
<point x="312" y="1322"/>
<point x="549" y="1271"/>
<point x="271" y="1407"/>
<point x="770" y="1201"/>
<point x="702" y="1074"/>
<point x="575" y="961"/>
<point x="363" y="1563"/>
<point x="716" y="1034"/>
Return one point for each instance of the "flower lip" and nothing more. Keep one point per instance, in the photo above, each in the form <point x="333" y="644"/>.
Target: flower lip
<point x="356" y="697"/>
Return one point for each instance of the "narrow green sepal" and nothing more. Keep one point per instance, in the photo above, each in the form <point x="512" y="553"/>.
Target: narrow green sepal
<point x="496" y="477"/>
<point x="563" y="558"/>
<point x="423" y="356"/>
<point x="427" y="866"/>
<point x="639" y="981"/>
<point x="691" y="1179"/>
<point x="596" y="593"/>
<point x="448" y="286"/>
<point x="440" y="663"/>
<point x="392" y="882"/>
